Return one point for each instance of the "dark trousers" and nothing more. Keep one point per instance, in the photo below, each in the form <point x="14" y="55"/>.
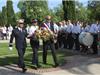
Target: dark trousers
<point x="60" y="40"/>
<point x="4" y="35"/>
<point x="35" y="47"/>
<point x="21" y="52"/>
<point x="45" y="48"/>
<point x="76" y="41"/>
<point x="94" y="45"/>
<point x="70" y="41"/>
<point x="84" y="48"/>
<point x="56" y="45"/>
<point x="65" y="42"/>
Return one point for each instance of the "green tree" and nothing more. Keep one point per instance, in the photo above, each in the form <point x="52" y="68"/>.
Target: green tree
<point x="10" y="13"/>
<point x="1" y="20"/>
<point x="33" y="9"/>
<point x="4" y="15"/>
<point x="18" y="15"/>
<point x="69" y="9"/>
<point x="58" y="13"/>
<point x="94" y="8"/>
<point x="81" y="12"/>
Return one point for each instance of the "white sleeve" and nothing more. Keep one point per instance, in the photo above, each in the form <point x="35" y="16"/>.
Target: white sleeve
<point x="31" y="30"/>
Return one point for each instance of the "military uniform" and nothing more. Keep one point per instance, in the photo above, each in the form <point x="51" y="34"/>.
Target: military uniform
<point x="20" y="43"/>
<point x="69" y="37"/>
<point x="75" y="35"/>
<point x="94" y="31"/>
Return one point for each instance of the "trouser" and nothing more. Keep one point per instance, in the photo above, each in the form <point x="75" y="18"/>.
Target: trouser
<point x="94" y="45"/>
<point x="70" y="41"/>
<point x="84" y="48"/>
<point x="21" y="52"/>
<point x="60" y="40"/>
<point x="35" y="47"/>
<point x="56" y="45"/>
<point x="52" y="47"/>
<point x="76" y="41"/>
<point x="4" y="35"/>
<point x="65" y="42"/>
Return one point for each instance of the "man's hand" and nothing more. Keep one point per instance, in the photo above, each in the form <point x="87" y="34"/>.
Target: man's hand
<point x="10" y="48"/>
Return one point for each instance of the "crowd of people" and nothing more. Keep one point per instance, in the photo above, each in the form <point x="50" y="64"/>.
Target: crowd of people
<point x="65" y="35"/>
<point x="5" y="32"/>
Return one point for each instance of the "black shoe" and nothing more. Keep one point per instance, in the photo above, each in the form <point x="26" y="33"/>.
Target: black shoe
<point x="38" y="66"/>
<point x="56" y="65"/>
<point x="94" y="53"/>
<point x="34" y="67"/>
<point x="44" y="63"/>
<point x="24" y="70"/>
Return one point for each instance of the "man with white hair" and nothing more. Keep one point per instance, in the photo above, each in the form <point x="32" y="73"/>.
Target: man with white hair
<point x="20" y="35"/>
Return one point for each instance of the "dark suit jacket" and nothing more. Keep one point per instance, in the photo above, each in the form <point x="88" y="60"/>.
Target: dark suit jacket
<point x="20" y="38"/>
<point x="51" y="26"/>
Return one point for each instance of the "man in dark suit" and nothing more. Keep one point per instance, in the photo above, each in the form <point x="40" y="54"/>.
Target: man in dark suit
<point x="50" y="26"/>
<point x="20" y="35"/>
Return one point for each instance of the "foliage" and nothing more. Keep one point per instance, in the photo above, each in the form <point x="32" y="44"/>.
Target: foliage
<point x="33" y="9"/>
<point x="1" y="20"/>
<point x="58" y="13"/>
<point x="81" y="12"/>
<point x="94" y="7"/>
<point x="4" y="16"/>
<point x="10" y="13"/>
<point x="69" y="9"/>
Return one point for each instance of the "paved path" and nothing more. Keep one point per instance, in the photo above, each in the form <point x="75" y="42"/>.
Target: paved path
<point x="79" y="65"/>
<point x="76" y="65"/>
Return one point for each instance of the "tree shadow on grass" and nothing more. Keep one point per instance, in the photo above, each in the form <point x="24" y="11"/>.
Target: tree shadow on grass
<point x="8" y="60"/>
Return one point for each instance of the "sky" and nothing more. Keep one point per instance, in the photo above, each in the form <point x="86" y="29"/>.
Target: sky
<point x="51" y="3"/>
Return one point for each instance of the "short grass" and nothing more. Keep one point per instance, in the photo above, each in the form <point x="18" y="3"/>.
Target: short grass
<point x="8" y="57"/>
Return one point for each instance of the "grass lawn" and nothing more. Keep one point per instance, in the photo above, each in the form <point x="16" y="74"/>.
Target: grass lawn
<point x="8" y="57"/>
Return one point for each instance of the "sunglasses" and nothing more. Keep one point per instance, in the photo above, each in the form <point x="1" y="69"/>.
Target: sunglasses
<point x="21" y="23"/>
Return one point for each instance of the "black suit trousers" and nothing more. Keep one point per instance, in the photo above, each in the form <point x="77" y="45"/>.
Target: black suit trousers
<point x="46" y="45"/>
<point x="21" y="52"/>
<point x="35" y="47"/>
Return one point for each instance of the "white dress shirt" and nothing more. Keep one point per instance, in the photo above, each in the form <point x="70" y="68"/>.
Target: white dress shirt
<point x="99" y="28"/>
<point x="69" y="28"/>
<point x="93" y="28"/>
<point x="4" y="30"/>
<point x="56" y="28"/>
<point x="20" y="29"/>
<point x="32" y="29"/>
<point x="10" y="28"/>
<point x="85" y="29"/>
<point x="76" y="29"/>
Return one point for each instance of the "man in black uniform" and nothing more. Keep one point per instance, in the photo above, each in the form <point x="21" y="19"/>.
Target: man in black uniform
<point x="20" y="41"/>
<point x="50" y="43"/>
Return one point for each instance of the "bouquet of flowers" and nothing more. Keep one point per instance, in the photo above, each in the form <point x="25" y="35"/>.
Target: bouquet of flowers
<point x="45" y="35"/>
<point x="37" y="34"/>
